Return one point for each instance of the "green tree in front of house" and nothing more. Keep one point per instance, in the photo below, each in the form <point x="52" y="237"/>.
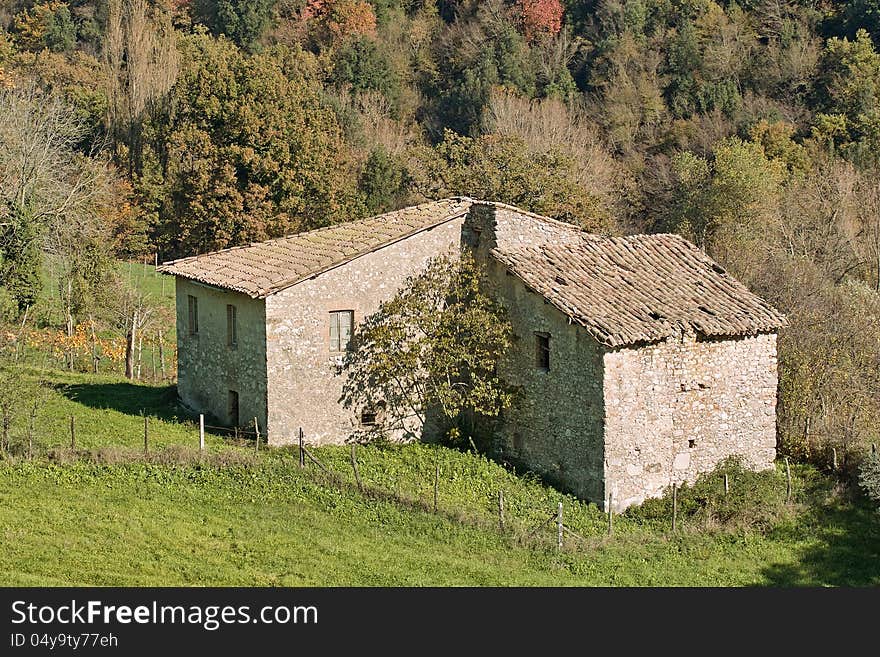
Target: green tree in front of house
<point x="869" y="476"/>
<point x="429" y="353"/>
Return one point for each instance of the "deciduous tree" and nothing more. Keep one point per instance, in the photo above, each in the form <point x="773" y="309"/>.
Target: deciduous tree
<point x="428" y="355"/>
<point x="248" y="150"/>
<point x="50" y="194"/>
<point x="504" y="168"/>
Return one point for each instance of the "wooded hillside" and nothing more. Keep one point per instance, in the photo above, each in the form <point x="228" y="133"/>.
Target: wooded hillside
<point x="140" y="129"/>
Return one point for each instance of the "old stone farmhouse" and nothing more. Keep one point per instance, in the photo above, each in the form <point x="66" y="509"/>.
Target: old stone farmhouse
<point x="640" y="361"/>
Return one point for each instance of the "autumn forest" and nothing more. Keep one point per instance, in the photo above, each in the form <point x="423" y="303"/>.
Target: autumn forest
<point x="151" y="129"/>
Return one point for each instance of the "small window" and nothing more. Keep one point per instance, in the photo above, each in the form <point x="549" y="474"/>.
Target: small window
<point x="193" y="304"/>
<point x="231" y="326"/>
<point x="233" y="408"/>
<point x="517" y="441"/>
<point x="542" y="351"/>
<point x="373" y="415"/>
<point x="341" y="326"/>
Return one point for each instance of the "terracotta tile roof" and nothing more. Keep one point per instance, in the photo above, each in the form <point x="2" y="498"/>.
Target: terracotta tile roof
<point x="264" y="268"/>
<point x="640" y="288"/>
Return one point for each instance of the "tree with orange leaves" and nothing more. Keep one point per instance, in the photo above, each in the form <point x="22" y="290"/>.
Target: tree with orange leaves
<point x="340" y="19"/>
<point x="540" y="17"/>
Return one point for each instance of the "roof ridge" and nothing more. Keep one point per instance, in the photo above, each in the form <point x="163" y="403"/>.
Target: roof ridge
<point x="533" y="215"/>
<point x="260" y="269"/>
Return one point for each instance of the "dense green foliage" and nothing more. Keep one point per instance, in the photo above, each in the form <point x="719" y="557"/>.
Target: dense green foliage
<point x="250" y="150"/>
<point x="752" y="128"/>
<point x="430" y="353"/>
<point x="869" y="477"/>
<point x="243" y="21"/>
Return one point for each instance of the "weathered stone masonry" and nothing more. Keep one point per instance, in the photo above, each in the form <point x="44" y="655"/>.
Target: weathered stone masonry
<point x="556" y="424"/>
<point x="625" y="421"/>
<point x="283" y="368"/>
<point x="674" y="409"/>
<point x="660" y="363"/>
<point x="207" y="367"/>
<point x="304" y="382"/>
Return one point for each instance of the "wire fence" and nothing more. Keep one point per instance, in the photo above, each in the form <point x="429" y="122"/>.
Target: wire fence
<point x="529" y="515"/>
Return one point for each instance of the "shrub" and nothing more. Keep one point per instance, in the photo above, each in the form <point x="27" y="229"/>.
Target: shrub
<point x="754" y="500"/>
<point x="869" y="477"/>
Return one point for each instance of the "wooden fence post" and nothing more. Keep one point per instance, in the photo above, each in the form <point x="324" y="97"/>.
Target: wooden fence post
<point x="501" y="510"/>
<point x="787" y="481"/>
<point x="302" y="453"/>
<point x="257" y="431"/>
<point x="674" y="506"/>
<point x="161" y="352"/>
<point x="72" y="432"/>
<point x="610" y="513"/>
<point x="436" y="485"/>
<point x="31" y="422"/>
<point x="354" y="466"/>
<point x="201" y="432"/>
<point x="559" y="526"/>
<point x="146" y="435"/>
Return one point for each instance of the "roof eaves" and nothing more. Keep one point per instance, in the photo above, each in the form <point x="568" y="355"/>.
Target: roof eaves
<point x="622" y="341"/>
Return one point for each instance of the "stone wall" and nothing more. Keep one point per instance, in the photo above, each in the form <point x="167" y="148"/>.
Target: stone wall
<point x="555" y="425"/>
<point x="675" y="409"/>
<point x="208" y="368"/>
<point x="304" y="380"/>
<point x="507" y="227"/>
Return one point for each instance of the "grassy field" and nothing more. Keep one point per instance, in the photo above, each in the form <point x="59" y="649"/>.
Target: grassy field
<point x="107" y="517"/>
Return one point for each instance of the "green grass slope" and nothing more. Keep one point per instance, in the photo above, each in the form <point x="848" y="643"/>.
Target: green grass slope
<point x="107" y="516"/>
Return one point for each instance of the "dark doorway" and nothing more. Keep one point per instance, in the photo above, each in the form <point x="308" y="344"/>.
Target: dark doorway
<point x="233" y="408"/>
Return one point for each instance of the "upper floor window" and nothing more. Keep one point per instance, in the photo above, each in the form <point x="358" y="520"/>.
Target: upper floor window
<point x="341" y="327"/>
<point x="193" y="305"/>
<point x="231" y="326"/>
<point x="542" y="351"/>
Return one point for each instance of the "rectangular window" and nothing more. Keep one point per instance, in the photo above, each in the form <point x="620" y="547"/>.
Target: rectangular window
<point x="341" y="327"/>
<point x="193" y="303"/>
<point x="233" y="408"/>
<point x="231" y="327"/>
<point x="373" y="415"/>
<point x="542" y="351"/>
